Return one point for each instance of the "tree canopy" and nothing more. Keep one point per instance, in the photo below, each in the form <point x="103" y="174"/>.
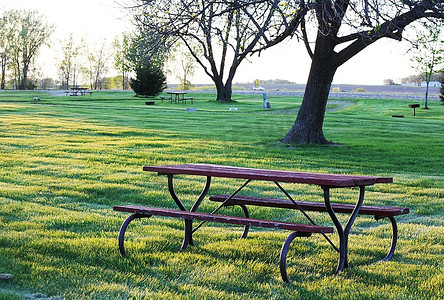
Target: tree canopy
<point x="23" y="33"/>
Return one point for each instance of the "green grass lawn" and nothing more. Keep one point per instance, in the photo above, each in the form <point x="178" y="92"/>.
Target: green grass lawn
<point x="65" y="161"/>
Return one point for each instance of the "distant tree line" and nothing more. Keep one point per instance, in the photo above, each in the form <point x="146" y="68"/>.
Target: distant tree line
<point x="79" y="62"/>
<point x="415" y="79"/>
<point x="276" y="81"/>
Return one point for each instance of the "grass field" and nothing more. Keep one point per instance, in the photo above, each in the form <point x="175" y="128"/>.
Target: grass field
<point x="65" y="161"/>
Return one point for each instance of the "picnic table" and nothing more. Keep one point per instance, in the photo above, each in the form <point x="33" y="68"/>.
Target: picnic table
<point x="75" y="91"/>
<point x="177" y="96"/>
<point x="324" y="181"/>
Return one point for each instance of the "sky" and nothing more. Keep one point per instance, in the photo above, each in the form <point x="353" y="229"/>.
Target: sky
<point x="98" y="19"/>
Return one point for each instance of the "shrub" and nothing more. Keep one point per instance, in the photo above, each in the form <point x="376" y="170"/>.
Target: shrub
<point x="337" y="89"/>
<point x="360" y="90"/>
<point x="150" y="81"/>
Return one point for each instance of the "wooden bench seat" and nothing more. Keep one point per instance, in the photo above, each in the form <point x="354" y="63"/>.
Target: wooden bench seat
<point x="188" y="98"/>
<point x="379" y="212"/>
<point x="298" y="230"/>
<point x="222" y="219"/>
<point x="382" y="211"/>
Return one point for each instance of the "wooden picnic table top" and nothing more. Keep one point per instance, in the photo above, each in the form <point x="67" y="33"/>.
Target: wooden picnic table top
<point x="330" y="180"/>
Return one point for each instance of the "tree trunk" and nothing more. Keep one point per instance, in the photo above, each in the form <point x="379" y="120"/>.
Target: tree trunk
<point x="426" y="94"/>
<point x="223" y="90"/>
<point x="24" y="82"/>
<point x="3" y="82"/>
<point x="74" y="81"/>
<point x="307" y="128"/>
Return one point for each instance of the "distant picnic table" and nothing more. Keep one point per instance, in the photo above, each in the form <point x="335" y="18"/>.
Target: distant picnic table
<point x="177" y="96"/>
<point x="76" y="91"/>
<point x="325" y="181"/>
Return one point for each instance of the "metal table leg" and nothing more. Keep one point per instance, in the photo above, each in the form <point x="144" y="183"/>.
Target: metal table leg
<point x="188" y="239"/>
<point x="343" y="232"/>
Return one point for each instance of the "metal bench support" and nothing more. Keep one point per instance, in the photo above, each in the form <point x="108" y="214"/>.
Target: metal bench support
<point x="284" y="251"/>
<point x="123" y="229"/>
<point x="394" y="236"/>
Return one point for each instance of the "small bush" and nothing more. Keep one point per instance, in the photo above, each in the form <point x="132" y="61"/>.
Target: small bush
<point x="337" y="89"/>
<point x="150" y="81"/>
<point x="360" y="90"/>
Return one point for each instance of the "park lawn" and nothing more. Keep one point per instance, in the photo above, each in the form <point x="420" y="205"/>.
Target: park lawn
<point x="65" y="161"/>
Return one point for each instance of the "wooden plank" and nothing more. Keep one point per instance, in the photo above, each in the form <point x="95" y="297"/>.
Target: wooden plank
<point x="312" y="206"/>
<point x="223" y="219"/>
<point x="331" y="180"/>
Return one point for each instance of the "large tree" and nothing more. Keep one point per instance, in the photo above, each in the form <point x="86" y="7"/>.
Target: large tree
<point x="343" y="28"/>
<point x="333" y="31"/>
<point x="218" y="34"/>
<point x="29" y="33"/>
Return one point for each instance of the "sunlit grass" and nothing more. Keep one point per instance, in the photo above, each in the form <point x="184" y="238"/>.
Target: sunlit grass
<point x="65" y="161"/>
